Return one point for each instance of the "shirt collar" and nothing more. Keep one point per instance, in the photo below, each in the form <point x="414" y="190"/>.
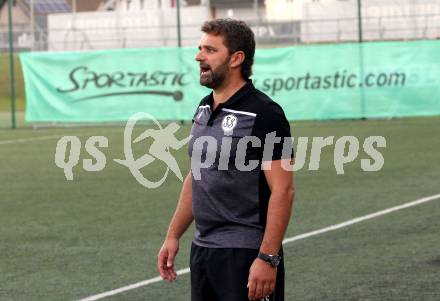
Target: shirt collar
<point x="236" y="97"/>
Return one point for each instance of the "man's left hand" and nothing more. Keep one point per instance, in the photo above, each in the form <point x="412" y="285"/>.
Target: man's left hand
<point x="261" y="280"/>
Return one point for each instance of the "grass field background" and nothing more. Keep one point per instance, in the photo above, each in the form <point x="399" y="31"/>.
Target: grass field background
<point x="66" y="240"/>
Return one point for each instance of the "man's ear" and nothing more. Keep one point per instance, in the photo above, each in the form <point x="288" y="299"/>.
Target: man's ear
<point x="237" y="59"/>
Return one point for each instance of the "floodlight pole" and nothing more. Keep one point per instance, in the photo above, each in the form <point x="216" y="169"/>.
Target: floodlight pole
<point x="11" y="63"/>
<point x="179" y="35"/>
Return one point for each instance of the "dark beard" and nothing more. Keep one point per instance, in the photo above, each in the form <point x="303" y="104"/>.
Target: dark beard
<point x="217" y="76"/>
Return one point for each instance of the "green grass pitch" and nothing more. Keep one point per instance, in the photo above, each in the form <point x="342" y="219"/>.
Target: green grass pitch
<point x="66" y="240"/>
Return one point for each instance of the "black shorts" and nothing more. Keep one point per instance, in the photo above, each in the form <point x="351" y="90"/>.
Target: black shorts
<point x="221" y="274"/>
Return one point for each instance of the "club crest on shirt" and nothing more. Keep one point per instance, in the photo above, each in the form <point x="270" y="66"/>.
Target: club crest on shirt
<point x="229" y="123"/>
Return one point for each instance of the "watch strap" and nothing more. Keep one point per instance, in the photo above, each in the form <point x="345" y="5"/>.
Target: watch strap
<point x="273" y="260"/>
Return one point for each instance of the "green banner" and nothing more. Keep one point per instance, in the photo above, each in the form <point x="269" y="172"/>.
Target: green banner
<point x="385" y="79"/>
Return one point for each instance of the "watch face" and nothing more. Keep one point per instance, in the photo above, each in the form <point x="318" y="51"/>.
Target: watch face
<point x="275" y="260"/>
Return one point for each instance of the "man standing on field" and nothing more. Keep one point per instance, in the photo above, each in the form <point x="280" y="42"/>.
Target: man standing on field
<point x="241" y="213"/>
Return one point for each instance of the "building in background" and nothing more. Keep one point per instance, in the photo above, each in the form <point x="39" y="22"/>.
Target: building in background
<point x="133" y="5"/>
<point x="30" y="19"/>
<point x="337" y="20"/>
<point x="128" y="24"/>
<point x="100" y="24"/>
<point x="247" y="10"/>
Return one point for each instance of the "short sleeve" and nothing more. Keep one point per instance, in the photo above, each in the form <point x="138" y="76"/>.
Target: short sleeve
<point x="198" y="110"/>
<point x="270" y="123"/>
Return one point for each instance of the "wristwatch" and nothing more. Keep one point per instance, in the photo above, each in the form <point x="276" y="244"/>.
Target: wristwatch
<point x="273" y="260"/>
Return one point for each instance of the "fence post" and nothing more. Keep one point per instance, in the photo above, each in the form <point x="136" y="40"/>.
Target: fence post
<point x="361" y="57"/>
<point x="359" y="11"/>
<point x="179" y="38"/>
<point x="11" y="63"/>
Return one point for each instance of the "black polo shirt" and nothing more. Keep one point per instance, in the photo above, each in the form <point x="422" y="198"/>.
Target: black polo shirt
<point x="230" y="201"/>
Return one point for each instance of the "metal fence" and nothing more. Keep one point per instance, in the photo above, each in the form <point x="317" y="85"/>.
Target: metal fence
<point x="158" y="27"/>
<point x="350" y="21"/>
<point x="267" y="33"/>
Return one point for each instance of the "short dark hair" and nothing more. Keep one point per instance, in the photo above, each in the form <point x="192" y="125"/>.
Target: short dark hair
<point x="237" y="36"/>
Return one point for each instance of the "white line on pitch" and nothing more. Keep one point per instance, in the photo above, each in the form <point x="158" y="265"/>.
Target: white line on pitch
<point x="285" y="241"/>
<point x="131" y="286"/>
<point x="23" y="140"/>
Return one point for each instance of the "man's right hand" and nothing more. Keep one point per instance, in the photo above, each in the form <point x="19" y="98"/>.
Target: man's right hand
<point x="165" y="259"/>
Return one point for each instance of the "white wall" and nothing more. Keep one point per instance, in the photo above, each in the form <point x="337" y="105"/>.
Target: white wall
<point x="289" y="10"/>
<point x="320" y="21"/>
<point x="125" y="29"/>
<point x="240" y="13"/>
<point x="382" y="19"/>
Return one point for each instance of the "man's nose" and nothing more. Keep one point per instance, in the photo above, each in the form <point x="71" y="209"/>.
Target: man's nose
<point x="199" y="56"/>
